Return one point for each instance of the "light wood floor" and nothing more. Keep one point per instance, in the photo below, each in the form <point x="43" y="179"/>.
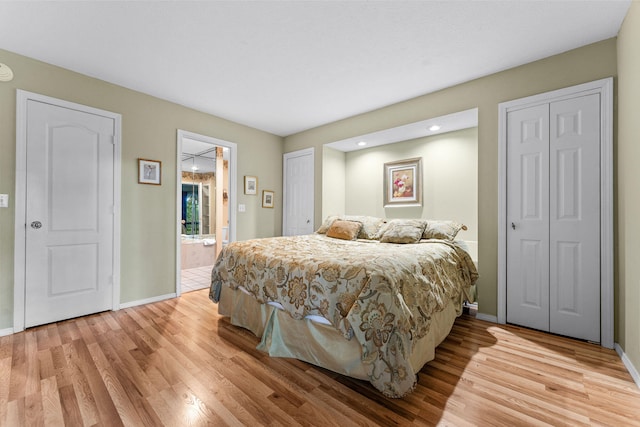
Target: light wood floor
<point x="178" y="363"/>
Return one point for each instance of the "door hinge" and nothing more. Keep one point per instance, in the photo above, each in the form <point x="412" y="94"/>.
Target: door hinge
<point x="112" y="139"/>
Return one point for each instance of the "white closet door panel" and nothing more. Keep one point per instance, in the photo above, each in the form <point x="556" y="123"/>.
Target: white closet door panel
<point x="69" y="213"/>
<point x="298" y="193"/>
<point x="575" y="217"/>
<point x="528" y="217"/>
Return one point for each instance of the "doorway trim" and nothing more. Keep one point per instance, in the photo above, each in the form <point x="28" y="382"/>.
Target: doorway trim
<point x="19" y="263"/>
<point x="604" y="87"/>
<point x="233" y="180"/>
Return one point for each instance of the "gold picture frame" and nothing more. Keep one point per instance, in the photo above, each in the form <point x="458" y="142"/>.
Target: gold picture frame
<point x="149" y="172"/>
<point x="250" y="185"/>
<point x="403" y="183"/>
<point x="267" y="198"/>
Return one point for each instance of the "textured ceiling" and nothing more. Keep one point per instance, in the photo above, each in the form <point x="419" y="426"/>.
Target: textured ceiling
<point x="287" y="66"/>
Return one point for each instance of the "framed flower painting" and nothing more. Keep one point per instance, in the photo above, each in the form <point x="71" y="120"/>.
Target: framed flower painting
<point x="403" y="183"/>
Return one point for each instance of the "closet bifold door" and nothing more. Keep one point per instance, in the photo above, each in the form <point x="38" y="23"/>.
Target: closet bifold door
<point x="574" y="280"/>
<point x="528" y="217"/>
<point x="553" y="217"/>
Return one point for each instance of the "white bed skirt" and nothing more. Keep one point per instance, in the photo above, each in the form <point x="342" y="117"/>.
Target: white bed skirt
<point x="318" y="344"/>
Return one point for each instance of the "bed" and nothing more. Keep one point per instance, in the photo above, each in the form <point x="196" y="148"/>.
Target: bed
<point x="369" y="304"/>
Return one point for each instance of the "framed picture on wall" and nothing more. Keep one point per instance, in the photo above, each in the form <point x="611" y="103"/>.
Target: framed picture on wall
<point x="250" y="184"/>
<point x="149" y="171"/>
<point x="267" y="198"/>
<point x="403" y="183"/>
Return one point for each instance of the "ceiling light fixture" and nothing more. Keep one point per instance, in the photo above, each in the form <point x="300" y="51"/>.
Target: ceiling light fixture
<point x="362" y="143"/>
<point x="434" y="128"/>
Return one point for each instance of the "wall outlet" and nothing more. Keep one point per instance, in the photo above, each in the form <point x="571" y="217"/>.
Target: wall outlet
<point x="4" y="200"/>
<point x="242" y="208"/>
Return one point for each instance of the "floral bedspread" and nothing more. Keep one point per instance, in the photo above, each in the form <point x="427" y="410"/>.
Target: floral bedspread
<point x="383" y="294"/>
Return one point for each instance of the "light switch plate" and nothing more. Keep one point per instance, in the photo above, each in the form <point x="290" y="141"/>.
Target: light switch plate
<point x="242" y="208"/>
<point x="4" y="200"/>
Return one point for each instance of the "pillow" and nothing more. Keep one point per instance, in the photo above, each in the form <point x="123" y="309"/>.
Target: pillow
<point x="370" y="225"/>
<point x="345" y="230"/>
<point x="444" y="230"/>
<point x="326" y="224"/>
<point x="403" y="231"/>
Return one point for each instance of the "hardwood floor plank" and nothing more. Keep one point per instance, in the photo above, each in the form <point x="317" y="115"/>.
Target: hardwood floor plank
<point x="163" y="410"/>
<point x="111" y="398"/>
<point x="15" y="413"/>
<point x="178" y="362"/>
<point x="33" y="409"/>
<point x="45" y="364"/>
<point x="217" y="399"/>
<point x="51" y="406"/>
<point x="68" y="331"/>
<point x="238" y="395"/>
<point x="70" y="409"/>
<point x="84" y="395"/>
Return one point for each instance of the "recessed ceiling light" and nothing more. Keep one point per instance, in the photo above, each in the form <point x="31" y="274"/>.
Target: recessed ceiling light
<point x="362" y="143"/>
<point x="434" y="128"/>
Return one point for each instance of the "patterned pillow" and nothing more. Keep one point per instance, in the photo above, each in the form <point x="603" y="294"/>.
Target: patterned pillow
<point x="370" y="225"/>
<point x="345" y="230"/>
<point x="403" y="231"/>
<point x="444" y="230"/>
<point x="326" y="224"/>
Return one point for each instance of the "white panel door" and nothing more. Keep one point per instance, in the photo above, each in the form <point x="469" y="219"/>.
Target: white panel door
<point x="528" y="217"/>
<point x="574" y="279"/>
<point x="298" y="193"/>
<point x="69" y="213"/>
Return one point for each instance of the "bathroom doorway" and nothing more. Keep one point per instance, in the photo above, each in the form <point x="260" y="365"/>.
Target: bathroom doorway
<point x="205" y="215"/>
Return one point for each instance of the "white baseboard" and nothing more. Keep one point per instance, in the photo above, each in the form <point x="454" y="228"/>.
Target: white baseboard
<point x="147" y="300"/>
<point x="9" y="331"/>
<point x="627" y="363"/>
<point x="487" y="317"/>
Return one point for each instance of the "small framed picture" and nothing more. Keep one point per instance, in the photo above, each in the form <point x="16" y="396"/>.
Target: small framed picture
<point x="267" y="198"/>
<point x="250" y="184"/>
<point x="149" y="171"/>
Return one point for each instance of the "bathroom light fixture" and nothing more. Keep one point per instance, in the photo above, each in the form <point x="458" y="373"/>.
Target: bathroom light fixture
<point x="434" y="128"/>
<point x="6" y="75"/>
<point x="362" y="143"/>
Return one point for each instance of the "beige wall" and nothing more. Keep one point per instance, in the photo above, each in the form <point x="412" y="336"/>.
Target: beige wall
<point x="449" y="172"/>
<point x="149" y="127"/>
<point x="628" y="176"/>
<point x="581" y="65"/>
<point x="333" y="182"/>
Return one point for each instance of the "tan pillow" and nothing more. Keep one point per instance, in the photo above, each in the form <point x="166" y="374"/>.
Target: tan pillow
<point x="326" y="224"/>
<point x="403" y="231"/>
<point x="345" y="230"/>
<point x="444" y="230"/>
<point x="370" y="225"/>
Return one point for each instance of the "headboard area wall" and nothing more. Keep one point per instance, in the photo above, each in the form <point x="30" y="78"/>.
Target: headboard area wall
<point x="450" y="179"/>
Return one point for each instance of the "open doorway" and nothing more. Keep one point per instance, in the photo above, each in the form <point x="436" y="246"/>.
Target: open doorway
<point x="205" y="214"/>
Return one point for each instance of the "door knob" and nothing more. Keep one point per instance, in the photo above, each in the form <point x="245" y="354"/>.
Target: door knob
<point x="308" y="221"/>
<point x="513" y="226"/>
<point x="36" y="224"/>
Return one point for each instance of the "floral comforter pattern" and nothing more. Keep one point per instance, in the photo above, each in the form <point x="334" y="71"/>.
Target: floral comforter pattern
<point x="383" y="294"/>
